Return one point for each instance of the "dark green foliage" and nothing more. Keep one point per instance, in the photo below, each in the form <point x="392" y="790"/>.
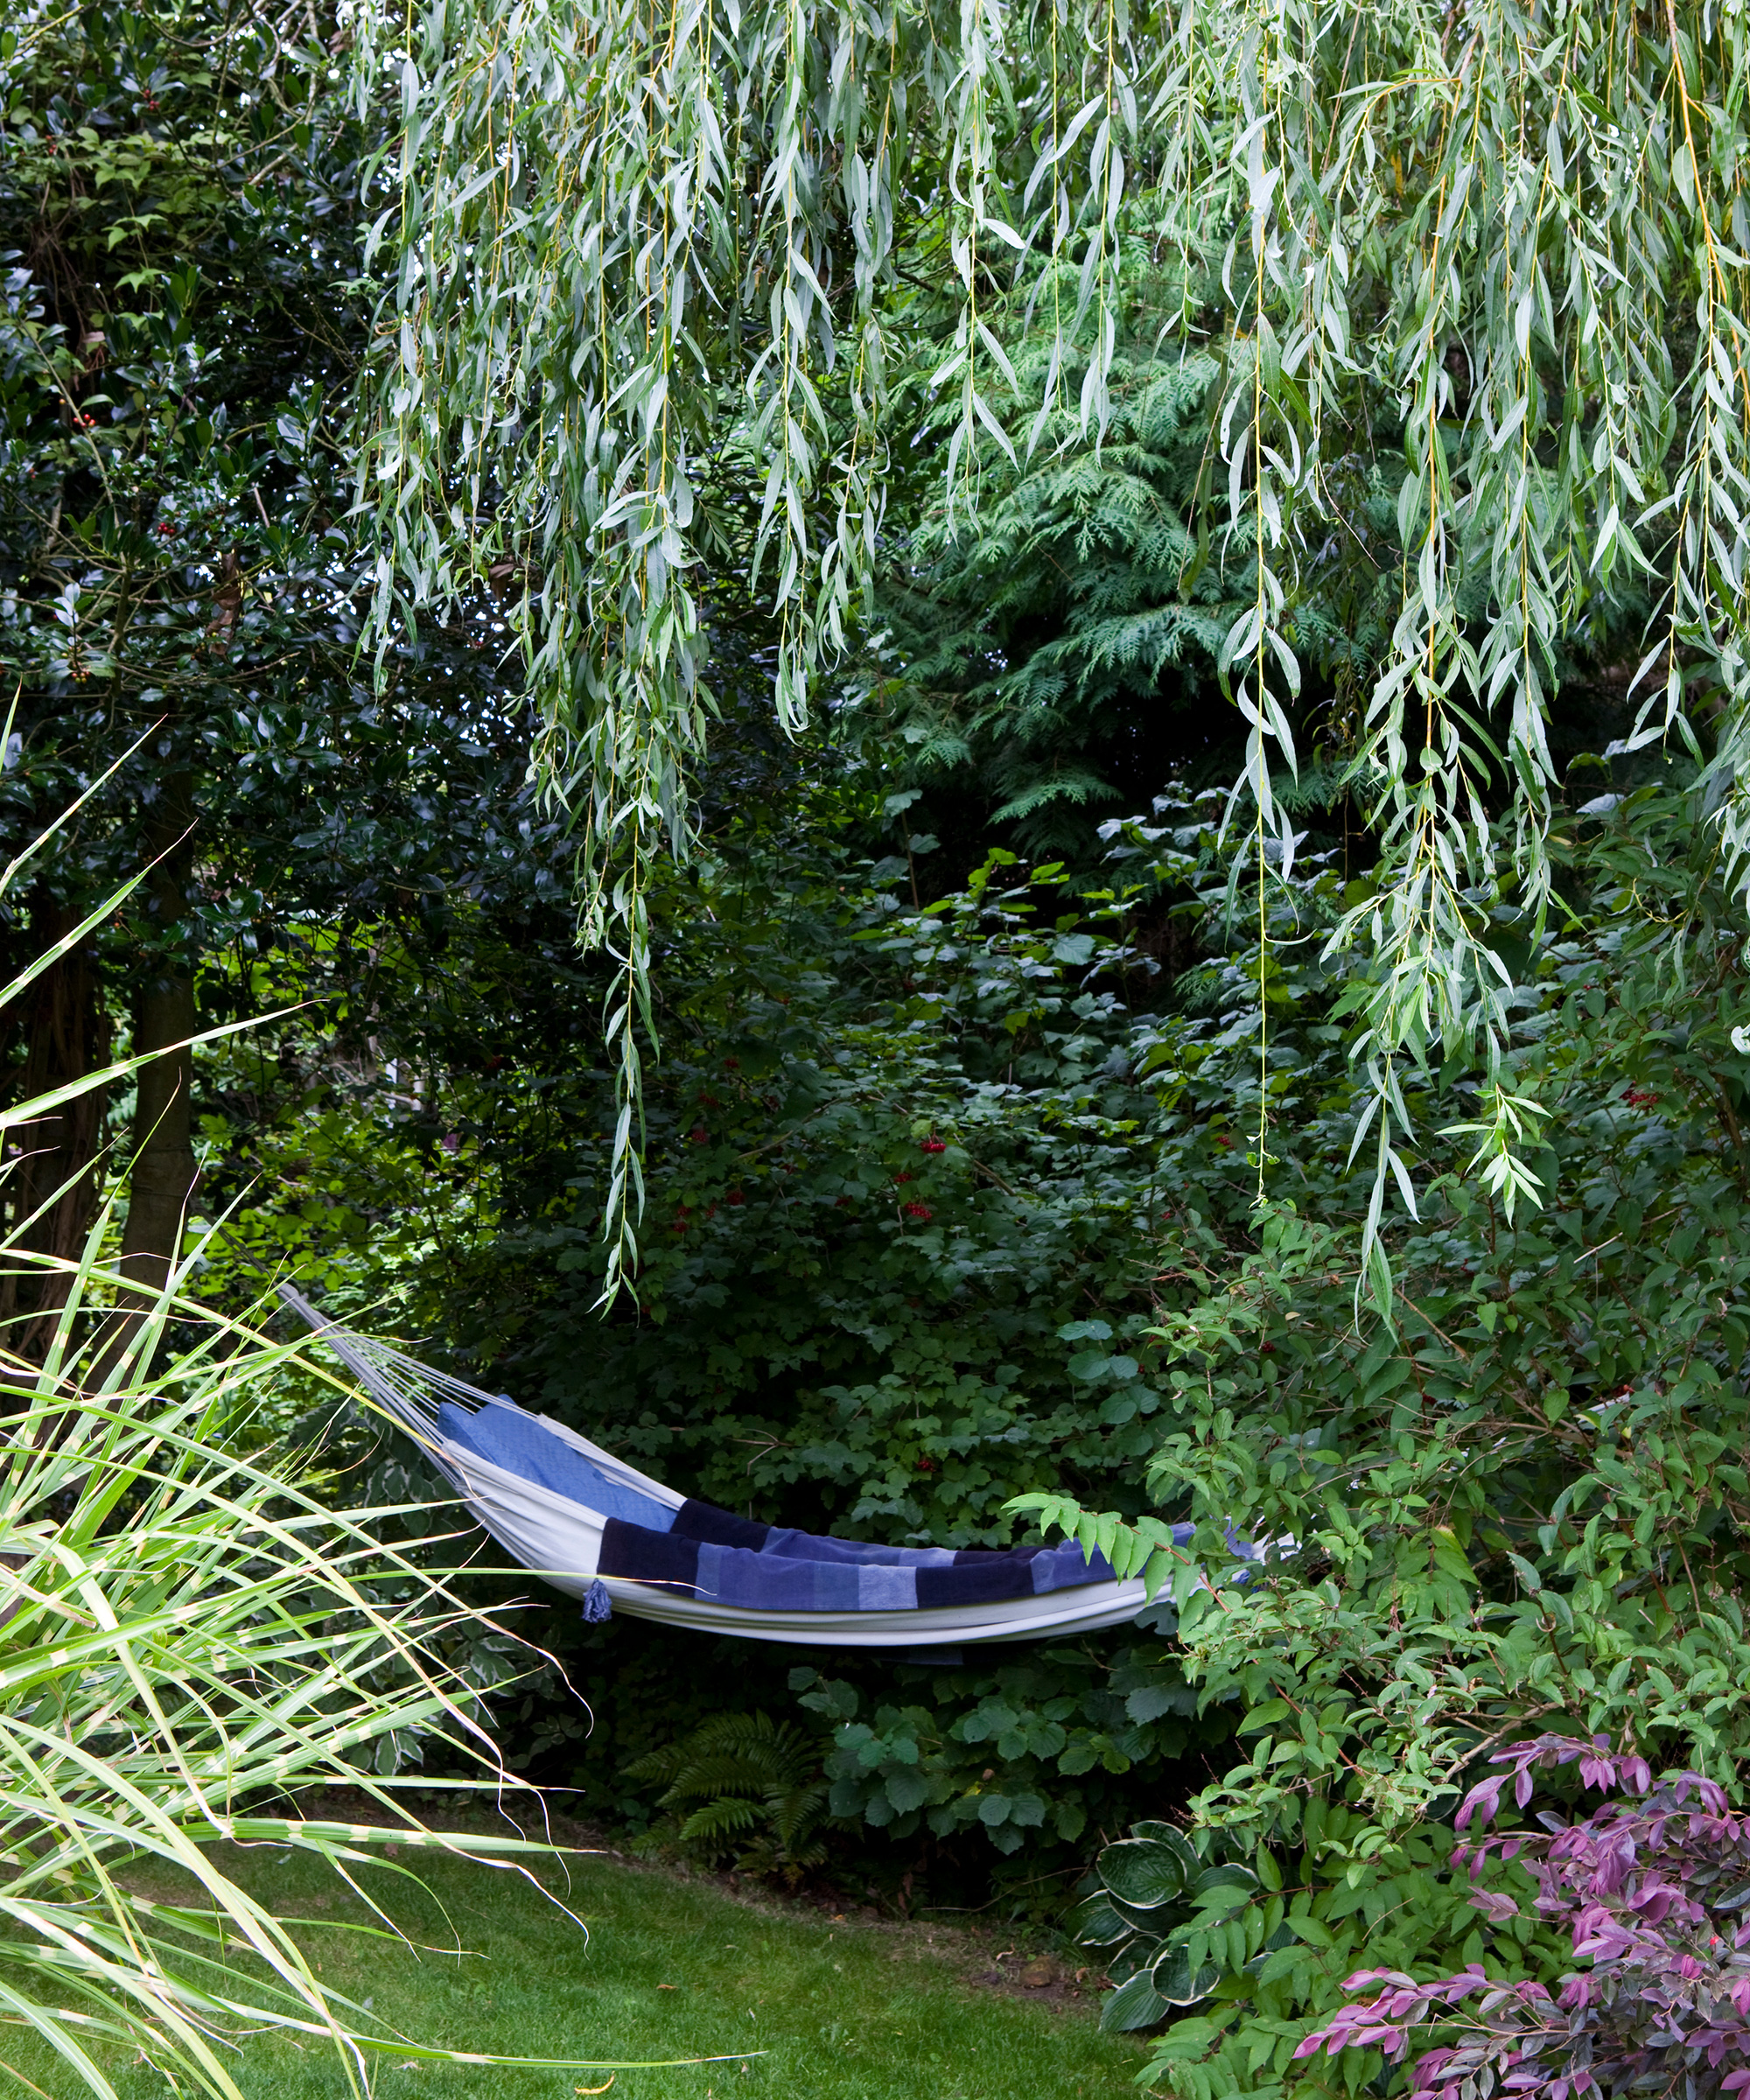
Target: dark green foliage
<point x="807" y="1345"/>
<point x="180" y="592"/>
<point x="896" y="1155"/>
<point x="740" y="1782"/>
<point x="1028" y="1747"/>
<point x="902" y="1226"/>
<point x="1056" y="644"/>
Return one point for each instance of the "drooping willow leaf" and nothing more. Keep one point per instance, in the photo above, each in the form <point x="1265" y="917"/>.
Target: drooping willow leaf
<point x="648" y="262"/>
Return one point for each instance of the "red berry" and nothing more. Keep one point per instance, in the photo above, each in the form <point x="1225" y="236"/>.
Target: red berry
<point x="917" y="1210"/>
<point x="932" y="1143"/>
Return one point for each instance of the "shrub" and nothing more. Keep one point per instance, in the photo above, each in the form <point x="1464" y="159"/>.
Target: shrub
<point x="1651" y="1889"/>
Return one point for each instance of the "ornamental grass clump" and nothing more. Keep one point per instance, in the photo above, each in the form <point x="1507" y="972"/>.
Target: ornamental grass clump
<point x="194" y="1649"/>
<point x="1652" y="1888"/>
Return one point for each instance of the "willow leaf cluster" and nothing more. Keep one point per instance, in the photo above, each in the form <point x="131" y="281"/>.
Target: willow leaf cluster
<point x="649" y="265"/>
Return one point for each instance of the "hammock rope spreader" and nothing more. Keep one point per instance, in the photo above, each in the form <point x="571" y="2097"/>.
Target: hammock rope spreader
<point x="601" y="1530"/>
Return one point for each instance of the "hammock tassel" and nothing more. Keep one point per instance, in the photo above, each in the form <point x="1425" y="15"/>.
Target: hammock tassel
<point x="598" y="1604"/>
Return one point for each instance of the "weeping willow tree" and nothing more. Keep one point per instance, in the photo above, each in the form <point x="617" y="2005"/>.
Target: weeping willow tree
<point x="653" y="263"/>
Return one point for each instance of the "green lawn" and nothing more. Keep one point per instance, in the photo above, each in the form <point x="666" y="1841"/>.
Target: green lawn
<point x="841" y="2011"/>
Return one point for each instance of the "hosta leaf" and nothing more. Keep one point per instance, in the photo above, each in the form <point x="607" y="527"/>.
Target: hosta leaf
<point x="1095" y="1923"/>
<point x="1173" y="1982"/>
<point x="1133" y="2004"/>
<point x="1171" y="1835"/>
<point x="1142" y="1871"/>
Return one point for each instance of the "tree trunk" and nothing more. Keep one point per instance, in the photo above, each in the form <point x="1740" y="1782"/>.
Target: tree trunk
<point x="51" y="1190"/>
<point x="163" y="1175"/>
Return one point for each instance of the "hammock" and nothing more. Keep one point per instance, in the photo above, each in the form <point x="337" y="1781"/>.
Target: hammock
<point x="598" y="1529"/>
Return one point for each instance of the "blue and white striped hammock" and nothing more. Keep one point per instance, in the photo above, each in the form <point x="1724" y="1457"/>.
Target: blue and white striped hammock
<point x="598" y="1529"/>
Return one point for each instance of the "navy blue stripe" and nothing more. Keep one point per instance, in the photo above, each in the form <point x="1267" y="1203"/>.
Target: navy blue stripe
<point x="998" y="1575"/>
<point x="718" y="1528"/>
<point x="640" y="1556"/>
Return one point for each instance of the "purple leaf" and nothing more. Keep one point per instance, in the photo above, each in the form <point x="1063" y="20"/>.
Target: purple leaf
<point x="1480" y="1801"/>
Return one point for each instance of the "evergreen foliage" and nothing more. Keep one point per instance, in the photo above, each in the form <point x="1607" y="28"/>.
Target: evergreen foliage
<point x="180" y="610"/>
<point x="1057" y="663"/>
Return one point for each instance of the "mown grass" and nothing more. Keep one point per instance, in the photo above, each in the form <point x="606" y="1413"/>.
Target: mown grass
<point x="838" y="2010"/>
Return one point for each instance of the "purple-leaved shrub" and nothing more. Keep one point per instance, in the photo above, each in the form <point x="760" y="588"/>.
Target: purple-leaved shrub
<point x="1653" y="1887"/>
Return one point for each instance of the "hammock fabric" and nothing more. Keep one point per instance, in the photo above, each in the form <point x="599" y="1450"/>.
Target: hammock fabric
<point x="598" y="1529"/>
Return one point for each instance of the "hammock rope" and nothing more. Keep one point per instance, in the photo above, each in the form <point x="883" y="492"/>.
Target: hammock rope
<point x="599" y="1531"/>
